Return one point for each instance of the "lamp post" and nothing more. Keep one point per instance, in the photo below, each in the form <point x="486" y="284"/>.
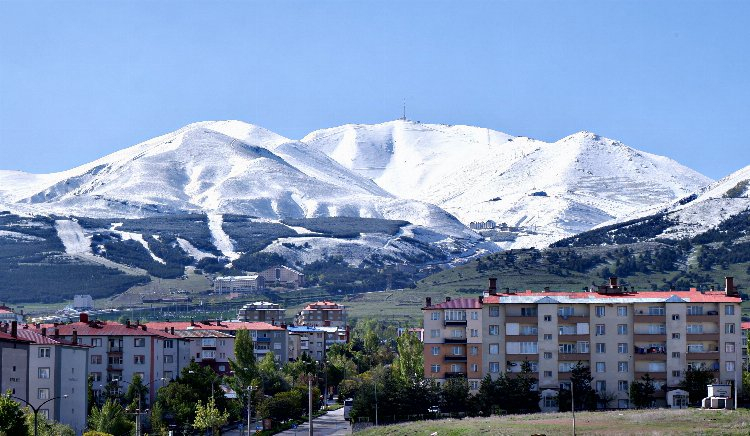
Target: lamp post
<point x="36" y="409"/>
<point x="138" y="410"/>
<point x="249" y="405"/>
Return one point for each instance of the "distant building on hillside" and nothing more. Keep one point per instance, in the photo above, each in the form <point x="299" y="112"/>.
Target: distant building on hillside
<point x="482" y="225"/>
<point x="261" y="311"/>
<point x="248" y="283"/>
<point x="283" y="275"/>
<point x="7" y="315"/>
<point x="83" y="302"/>
<point x="322" y="314"/>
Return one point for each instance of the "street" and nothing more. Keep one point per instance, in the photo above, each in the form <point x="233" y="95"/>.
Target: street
<point x="330" y="424"/>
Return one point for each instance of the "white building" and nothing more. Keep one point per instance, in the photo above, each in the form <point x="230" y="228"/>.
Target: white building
<point x="250" y="283"/>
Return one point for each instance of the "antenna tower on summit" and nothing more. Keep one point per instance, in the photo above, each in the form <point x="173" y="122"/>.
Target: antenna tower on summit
<point x="403" y="118"/>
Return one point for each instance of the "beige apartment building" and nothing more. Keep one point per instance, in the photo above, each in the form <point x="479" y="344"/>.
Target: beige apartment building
<point x="619" y="335"/>
<point x="262" y="311"/>
<point x="322" y="314"/>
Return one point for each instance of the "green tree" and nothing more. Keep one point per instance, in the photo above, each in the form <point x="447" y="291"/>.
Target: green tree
<point x="110" y="418"/>
<point x="455" y="395"/>
<point x="409" y="365"/>
<point x="209" y="417"/>
<point x="642" y="392"/>
<point x="244" y="365"/>
<point x="271" y="378"/>
<point x="585" y="396"/>
<point x="194" y="385"/>
<point x="695" y="382"/>
<point x="12" y="420"/>
<point x="47" y="427"/>
<point x="136" y="390"/>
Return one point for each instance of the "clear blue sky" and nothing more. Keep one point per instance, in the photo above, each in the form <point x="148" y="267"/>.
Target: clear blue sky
<point x="81" y="79"/>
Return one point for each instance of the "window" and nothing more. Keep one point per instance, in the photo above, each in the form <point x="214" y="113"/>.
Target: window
<point x="114" y="360"/>
<point x="455" y="315"/>
<point x="601" y="367"/>
<point x="494" y="311"/>
<point x="565" y="366"/>
<point x="494" y="330"/>
<point x="547" y="355"/>
<point x="622" y="329"/>
<point x="600" y="311"/>
<point x="455" y="367"/>
<point x="96" y="342"/>
<point x="550" y="401"/>
<point x="168" y="358"/>
<point x="42" y="394"/>
<point x="622" y="366"/>
<point x="529" y="311"/>
<point x="675" y="336"/>
<point x="548" y="373"/>
<point x="547" y="337"/>
<point x="565" y="311"/>
<point x="44" y="352"/>
<point x="623" y="404"/>
<point x="96" y="376"/>
<point x="435" y="316"/>
<point x="475" y="315"/>
<point x="622" y="385"/>
<point x="656" y="310"/>
<point x="583" y="346"/>
<point x="139" y="342"/>
<point x="600" y="329"/>
<point x="474" y="333"/>
<point x="139" y="359"/>
<point x="435" y="368"/>
<point x="494" y="348"/>
<point x="676" y="354"/>
<point x="566" y="330"/>
<point x="622" y="310"/>
<point x="695" y="310"/>
<point x="601" y="386"/>
<point x="730" y="366"/>
<point x="729" y="327"/>
<point x="43" y="372"/>
<point x="657" y="329"/>
<point x="529" y="347"/>
<point x="435" y="351"/>
<point x="456" y="333"/>
<point x="494" y="367"/>
<point x="458" y="351"/>
<point x="695" y="328"/>
<point x="601" y="347"/>
<point x="548" y="318"/>
<point x="169" y="343"/>
<point x="728" y="310"/>
<point x="474" y="351"/>
<point x="96" y="359"/>
<point x="474" y="385"/>
<point x="435" y="333"/>
<point x="675" y="373"/>
<point x="529" y="330"/>
<point x="729" y="347"/>
<point x="566" y="348"/>
<point x="675" y="317"/>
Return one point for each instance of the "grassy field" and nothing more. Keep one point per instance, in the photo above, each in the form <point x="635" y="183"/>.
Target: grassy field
<point x="626" y="422"/>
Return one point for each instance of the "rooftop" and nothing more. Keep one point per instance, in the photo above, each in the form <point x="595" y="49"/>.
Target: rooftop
<point x="457" y="303"/>
<point x="212" y="325"/>
<point x="691" y="296"/>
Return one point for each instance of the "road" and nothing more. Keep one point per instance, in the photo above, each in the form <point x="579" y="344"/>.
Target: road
<point x="330" y="424"/>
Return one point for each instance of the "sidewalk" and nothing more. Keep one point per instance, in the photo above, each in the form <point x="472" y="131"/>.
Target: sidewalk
<point x="330" y="424"/>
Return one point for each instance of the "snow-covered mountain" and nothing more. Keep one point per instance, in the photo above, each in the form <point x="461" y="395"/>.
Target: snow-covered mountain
<point x="543" y="191"/>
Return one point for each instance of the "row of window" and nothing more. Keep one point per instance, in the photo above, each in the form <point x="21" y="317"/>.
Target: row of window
<point x="599" y="311"/>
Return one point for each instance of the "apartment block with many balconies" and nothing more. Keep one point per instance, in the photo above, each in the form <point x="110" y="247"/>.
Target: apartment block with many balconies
<point x="619" y="335"/>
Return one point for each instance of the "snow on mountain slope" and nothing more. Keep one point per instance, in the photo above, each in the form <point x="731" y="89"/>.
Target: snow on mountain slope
<point x="545" y="191"/>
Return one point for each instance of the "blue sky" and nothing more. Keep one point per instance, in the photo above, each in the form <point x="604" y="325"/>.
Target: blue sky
<point x="79" y="80"/>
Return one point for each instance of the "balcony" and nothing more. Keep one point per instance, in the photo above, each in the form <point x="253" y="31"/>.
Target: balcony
<point x="522" y="356"/>
<point x="650" y="337"/>
<point x="455" y="322"/>
<point x="702" y="355"/>
<point x="573" y="318"/>
<point x="114" y="350"/>
<point x="573" y="357"/>
<point x="573" y="337"/>
<point x="650" y="356"/>
<point x="710" y="316"/>
<point x="701" y="337"/>
<point x="263" y="340"/>
<point x="522" y="338"/>
<point x="648" y="318"/>
<point x="452" y="358"/>
<point x="454" y="340"/>
<point x="455" y="374"/>
<point x="522" y="319"/>
<point x="655" y="375"/>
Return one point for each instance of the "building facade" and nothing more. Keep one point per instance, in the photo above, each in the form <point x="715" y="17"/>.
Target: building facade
<point x="619" y="335"/>
<point x="261" y="311"/>
<point x="283" y="276"/>
<point x="322" y="314"/>
<point x="250" y="283"/>
<point x="314" y="341"/>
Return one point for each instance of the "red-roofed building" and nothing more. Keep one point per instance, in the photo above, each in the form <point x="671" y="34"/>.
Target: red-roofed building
<point x="14" y="362"/>
<point x="120" y="351"/>
<point x="620" y="334"/>
<point x="322" y="314"/>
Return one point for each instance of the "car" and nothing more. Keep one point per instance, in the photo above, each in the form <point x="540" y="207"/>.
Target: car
<point x="433" y="409"/>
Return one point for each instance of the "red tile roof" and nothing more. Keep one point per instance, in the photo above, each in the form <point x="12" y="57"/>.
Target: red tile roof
<point x="746" y="326"/>
<point x="7" y="337"/>
<point x="38" y="338"/>
<point x="693" y="295"/>
<point x="456" y="303"/>
<point x="323" y="305"/>
<point x="212" y="325"/>
<point x="106" y="328"/>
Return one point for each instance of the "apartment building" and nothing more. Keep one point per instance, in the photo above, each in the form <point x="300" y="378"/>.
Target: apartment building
<point x="266" y="337"/>
<point x="210" y="348"/>
<point x="453" y="335"/>
<point x="57" y="368"/>
<point x="322" y="314"/>
<point x="118" y="352"/>
<point x="619" y="335"/>
<point x="261" y="311"/>
<point x="14" y="358"/>
<point x="314" y="341"/>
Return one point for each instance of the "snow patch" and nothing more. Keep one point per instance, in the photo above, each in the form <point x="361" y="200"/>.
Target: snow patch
<point x="220" y="239"/>
<point x="192" y="251"/>
<point x="73" y="238"/>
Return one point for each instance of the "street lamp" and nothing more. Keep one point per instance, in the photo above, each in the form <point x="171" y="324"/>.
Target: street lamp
<point x="36" y="409"/>
<point x="138" y="410"/>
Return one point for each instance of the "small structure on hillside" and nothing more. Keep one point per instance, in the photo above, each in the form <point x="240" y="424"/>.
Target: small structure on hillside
<point x="719" y="397"/>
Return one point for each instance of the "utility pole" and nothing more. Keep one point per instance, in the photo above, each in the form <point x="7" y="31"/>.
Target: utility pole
<point x="309" y="405"/>
<point x="376" y="403"/>
<point x="573" y="406"/>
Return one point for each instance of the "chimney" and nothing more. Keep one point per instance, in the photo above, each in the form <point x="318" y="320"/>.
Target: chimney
<point x="428" y="301"/>
<point x="57" y="332"/>
<point x="729" y="285"/>
<point x="273" y="321"/>
<point x="447" y="299"/>
<point x="492" y="290"/>
<point x="127" y="323"/>
<point x="44" y="331"/>
<point x="712" y="288"/>
<point x="83" y="317"/>
<point x="171" y="330"/>
<point x="481" y="300"/>
<point x="283" y="326"/>
<point x="143" y="327"/>
<point x="671" y="287"/>
<point x="192" y="322"/>
<point x="546" y="289"/>
<point x="613" y="282"/>
<point x="75" y="336"/>
<point x="14" y="329"/>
